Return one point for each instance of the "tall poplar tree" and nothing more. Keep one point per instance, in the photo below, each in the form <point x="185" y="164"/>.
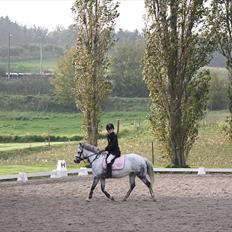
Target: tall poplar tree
<point x="94" y="22"/>
<point x="177" y="47"/>
<point x="220" y="19"/>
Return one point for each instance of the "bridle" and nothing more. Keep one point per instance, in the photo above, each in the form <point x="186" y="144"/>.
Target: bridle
<point x="87" y="157"/>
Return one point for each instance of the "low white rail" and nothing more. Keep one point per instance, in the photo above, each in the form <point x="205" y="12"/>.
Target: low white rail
<point x="43" y="174"/>
<point x="84" y="171"/>
<point x="199" y="171"/>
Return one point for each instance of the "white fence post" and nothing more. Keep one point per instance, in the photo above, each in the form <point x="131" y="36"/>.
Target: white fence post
<point x="83" y="172"/>
<point x="22" y="177"/>
<point x="201" y="171"/>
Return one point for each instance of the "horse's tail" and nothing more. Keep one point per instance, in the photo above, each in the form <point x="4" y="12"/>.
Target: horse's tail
<point x="150" y="171"/>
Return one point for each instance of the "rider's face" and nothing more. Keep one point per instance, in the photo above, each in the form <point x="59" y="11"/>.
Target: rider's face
<point x="110" y="131"/>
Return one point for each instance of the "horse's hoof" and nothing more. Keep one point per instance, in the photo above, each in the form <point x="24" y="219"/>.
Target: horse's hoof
<point x="154" y="200"/>
<point x="88" y="199"/>
<point x="124" y="199"/>
<point x="112" y="198"/>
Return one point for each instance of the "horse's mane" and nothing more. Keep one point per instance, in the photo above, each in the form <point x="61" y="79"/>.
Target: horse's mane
<point x="90" y="147"/>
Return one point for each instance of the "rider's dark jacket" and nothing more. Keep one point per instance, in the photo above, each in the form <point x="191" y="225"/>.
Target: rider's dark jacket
<point x="112" y="146"/>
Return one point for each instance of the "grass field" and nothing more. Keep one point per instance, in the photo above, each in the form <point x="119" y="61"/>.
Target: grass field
<point x="18" y="146"/>
<point x="35" y="123"/>
<point x="212" y="149"/>
<point x="30" y="123"/>
<point x="30" y="65"/>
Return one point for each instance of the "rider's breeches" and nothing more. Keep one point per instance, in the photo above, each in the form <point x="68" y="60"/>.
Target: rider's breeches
<point x="110" y="158"/>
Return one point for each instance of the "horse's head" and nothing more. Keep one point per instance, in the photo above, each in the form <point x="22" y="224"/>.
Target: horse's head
<point x="85" y="151"/>
<point x="80" y="154"/>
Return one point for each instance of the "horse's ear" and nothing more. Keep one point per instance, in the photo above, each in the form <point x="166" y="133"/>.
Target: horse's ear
<point x="80" y="144"/>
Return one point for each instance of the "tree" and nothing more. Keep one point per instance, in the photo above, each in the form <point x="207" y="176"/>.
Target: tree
<point x="95" y="21"/>
<point x="126" y="68"/>
<point x="221" y="21"/>
<point x="177" y="47"/>
<point x="63" y="80"/>
<point x="218" y="97"/>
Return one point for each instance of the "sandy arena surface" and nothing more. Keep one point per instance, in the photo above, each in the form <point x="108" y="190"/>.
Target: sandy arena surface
<point x="184" y="203"/>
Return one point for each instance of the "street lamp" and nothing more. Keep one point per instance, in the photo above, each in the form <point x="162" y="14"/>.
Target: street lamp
<point x="8" y="71"/>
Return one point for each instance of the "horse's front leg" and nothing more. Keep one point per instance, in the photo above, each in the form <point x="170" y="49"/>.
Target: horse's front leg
<point x="94" y="184"/>
<point x="103" y="183"/>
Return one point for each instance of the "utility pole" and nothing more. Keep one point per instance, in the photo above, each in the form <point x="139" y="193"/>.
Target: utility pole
<point x="8" y="68"/>
<point x="41" y="57"/>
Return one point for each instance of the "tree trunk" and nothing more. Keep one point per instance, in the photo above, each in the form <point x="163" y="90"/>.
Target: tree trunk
<point x="92" y="128"/>
<point x="176" y="132"/>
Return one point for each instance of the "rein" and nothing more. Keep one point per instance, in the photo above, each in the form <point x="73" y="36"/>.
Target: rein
<point x="97" y="156"/>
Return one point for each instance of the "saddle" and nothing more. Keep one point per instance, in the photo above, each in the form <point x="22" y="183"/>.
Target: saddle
<point x="118" y="163"/>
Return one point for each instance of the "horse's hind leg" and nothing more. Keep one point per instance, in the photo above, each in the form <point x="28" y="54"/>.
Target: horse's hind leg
<point x="132" y="185"/>
<point x="148" y="184"/>
<point x="94" y="184"/>
<point x="103" y="182"/>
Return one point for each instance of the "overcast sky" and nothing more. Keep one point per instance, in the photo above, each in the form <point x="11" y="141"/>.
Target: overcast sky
<point x="52" y="13"/>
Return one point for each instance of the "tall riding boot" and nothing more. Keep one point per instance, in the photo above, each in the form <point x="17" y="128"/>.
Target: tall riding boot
<point x="108" y="170"/>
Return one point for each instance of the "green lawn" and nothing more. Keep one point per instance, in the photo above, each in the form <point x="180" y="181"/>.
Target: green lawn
<point x="37" y="158"/>
<point x="212" y="149"/>
<point x="14" y="169"/>
<point x="17" y="146"/>
<point x="37" y="123"/>
<point x="31" y="65"/>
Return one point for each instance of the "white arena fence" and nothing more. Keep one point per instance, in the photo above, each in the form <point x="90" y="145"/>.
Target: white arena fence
<point x="85" y="171"/>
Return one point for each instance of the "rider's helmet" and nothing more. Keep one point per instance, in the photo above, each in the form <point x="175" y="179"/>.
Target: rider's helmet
<point x="109" y="126"/>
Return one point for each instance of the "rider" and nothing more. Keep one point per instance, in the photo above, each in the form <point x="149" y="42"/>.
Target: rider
<point x="112" y="148"/>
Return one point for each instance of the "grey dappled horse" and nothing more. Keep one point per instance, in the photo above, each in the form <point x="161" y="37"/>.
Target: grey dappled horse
<point x="135" y="165"/>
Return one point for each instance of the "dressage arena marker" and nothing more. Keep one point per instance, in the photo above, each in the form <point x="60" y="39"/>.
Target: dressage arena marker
<point x="61" y="170"/>
<point x="89" y="170"/>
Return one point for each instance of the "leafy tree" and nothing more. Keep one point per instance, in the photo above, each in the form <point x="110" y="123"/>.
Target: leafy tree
<point x="218" y="97"/>
<point x="126" y="68"/>
<point x="63" y="80"/>
<point x="177" y="47"/>
<point x="95" y="21"/>
<point x="62" y="37"/>
<point x="123" y="36"/>
<point x="221" y="22"/>
<point x="21" y="34"/>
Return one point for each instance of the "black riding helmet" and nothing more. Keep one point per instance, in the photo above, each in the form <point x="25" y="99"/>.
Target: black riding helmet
<point x="109" y="126"/>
